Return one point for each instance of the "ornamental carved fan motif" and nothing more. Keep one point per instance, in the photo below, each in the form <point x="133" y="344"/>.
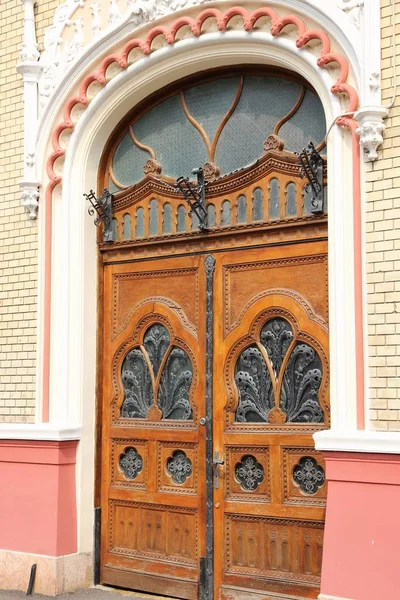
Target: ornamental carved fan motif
<point x="156" y="379"/>
<point x="278" y="378"/>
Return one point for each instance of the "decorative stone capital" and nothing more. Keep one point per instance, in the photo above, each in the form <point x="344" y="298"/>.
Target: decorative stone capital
<point x="370" y="130"/>
<point x="30" y="197"/>
<point x="30" y="71"/>
<point x="29" y="50"/>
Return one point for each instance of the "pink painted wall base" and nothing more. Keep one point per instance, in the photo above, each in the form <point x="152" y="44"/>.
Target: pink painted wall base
<point x="38" y="497"/>
<point x="360" y="559"/>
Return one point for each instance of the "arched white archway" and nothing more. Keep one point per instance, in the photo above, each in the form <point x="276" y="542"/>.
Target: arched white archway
<point x="74" y="251"/>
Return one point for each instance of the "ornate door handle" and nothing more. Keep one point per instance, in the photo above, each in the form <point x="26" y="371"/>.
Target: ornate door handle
<point x="216" y="464"/>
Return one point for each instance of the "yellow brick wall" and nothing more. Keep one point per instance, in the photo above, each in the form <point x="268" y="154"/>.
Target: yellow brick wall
<point x="18" y="235"/>
<point x="383" y="248"/>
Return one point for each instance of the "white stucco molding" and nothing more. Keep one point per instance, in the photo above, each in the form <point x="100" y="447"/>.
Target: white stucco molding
<point x="383" y="442"/>
<point x="31" y="70"/>
<point x="60" y="57"/>
<point x="371" y="128"/>
<point x="39" y="431"/>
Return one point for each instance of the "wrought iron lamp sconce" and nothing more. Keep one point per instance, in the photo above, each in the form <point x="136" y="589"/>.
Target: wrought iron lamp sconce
<point x="195" y="196"/>
<point x="312" y="168"/>
<point x="101" y="208"/>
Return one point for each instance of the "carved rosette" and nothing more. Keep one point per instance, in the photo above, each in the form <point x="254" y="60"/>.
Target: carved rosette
<point x="273" y="142"/>
<point x="179" y="467"/>
<point x="211" y="171"/>
<point x="249" y="473"/>
<point x="152" y="167"/>
<point x="130" y="463"/>
<point x="308" y="475"/>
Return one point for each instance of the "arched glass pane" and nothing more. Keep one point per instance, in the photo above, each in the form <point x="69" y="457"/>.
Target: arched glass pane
<point x="178" y="146"/>
<point x="128" y="162"/>
<point x="139" y="232"/>
<point x="181" y="221"/>
<point x="175" y="383"/>
<point x="226" y="213"/>
<point x="211" y="217"/>
<point x="307" y="200"/>
<point x="300" y="387"/>
<point x="195" y="221"/>
<point x="137" y="386"/>
<point x="274" y="192"/>
<point x="254" y="386"/>
<point x="307" y="125"/>
<point x="276" y="337"/>
<point x="127" y="227"/>
<point x="242" y="209"/>
<point x="156" y="341"/>
<point x="258" y="205"/>
<point x="210" y="101"/>
<point x="167" y="219"/>
<point x="153" y="217"/>
<point x="291" y="207"/>
<point x="114" y="229"/>
<point x="264" y="101"/>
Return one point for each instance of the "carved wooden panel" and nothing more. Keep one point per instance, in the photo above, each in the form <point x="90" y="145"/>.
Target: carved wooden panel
<point x="293" y="492"/>
<point x="129" y="463"/>
<point x="282" y="549"/>
<point x="165" y="533"/>
<point x="248" y="473"/>
<point x="306" y="276"/>
<point x="177" y="468"/>
<point x="132" y="290"/>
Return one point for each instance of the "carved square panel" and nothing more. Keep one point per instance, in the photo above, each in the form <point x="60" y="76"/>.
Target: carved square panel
<point x="247" y="473"/>
<point x="177" y="467"/>
<point x="279" y="549"/>
<point x="307" y="485"/>
<point x="129" y="460"/>
<point x="246" y="282"/>
<point x="176" y="288"/>
<point x="154" y="531"/>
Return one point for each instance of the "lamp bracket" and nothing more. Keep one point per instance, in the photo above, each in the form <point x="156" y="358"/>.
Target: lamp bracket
<point x="195" y="196"/>
<point x="312" y="169"/>
<point x="101" y="208"/>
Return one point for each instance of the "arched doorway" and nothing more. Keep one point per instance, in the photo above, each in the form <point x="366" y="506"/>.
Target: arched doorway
<point x="214" y="345"/>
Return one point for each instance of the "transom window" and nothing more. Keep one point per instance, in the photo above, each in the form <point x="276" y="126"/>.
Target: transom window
<point x="222" y="125"/>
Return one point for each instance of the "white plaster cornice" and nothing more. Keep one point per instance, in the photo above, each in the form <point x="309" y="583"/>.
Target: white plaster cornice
<point x="378" y="442"/>
<point x="39" y="431"/>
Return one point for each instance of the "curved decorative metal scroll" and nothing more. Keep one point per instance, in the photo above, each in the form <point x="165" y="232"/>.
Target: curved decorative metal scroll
<point x="130" y="463"/>
<point x="156" y="342"/>
<point x="175" y="382"/>
<point x="300" y="387"/>
<point x="259" y="375"/>
<point x="249" y="473"/>
<point x="276" y="337"/>
<point x="254" y="385"/>
<point x="137" y="384"/>
<point x="179" y="467"/>
<point x="146" y="395"/>
<point x="308" y="475"/>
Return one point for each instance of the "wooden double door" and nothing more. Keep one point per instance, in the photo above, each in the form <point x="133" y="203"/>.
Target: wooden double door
<point x="214" y="377"/>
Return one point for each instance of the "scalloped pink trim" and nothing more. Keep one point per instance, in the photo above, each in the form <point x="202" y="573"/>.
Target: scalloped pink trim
<point x="170" y="34"/>
<point x="249" y="20"/>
